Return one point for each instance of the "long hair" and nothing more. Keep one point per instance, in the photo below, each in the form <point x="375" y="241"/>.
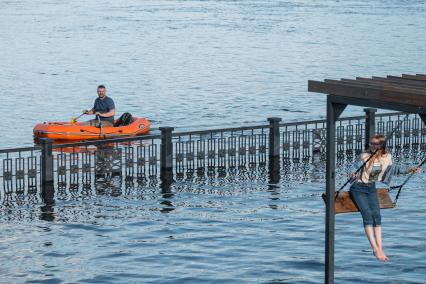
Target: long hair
<point x="381" y="152"/>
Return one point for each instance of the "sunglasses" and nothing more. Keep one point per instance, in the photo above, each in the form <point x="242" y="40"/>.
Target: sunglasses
<point x="375" y="144"/>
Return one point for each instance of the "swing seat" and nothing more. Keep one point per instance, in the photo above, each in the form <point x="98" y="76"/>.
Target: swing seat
<point x="344" y="203"/>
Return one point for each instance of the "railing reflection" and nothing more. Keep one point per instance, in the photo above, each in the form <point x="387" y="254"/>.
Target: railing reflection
<point x="270" y="153"/>
<point x="51" y="199"/>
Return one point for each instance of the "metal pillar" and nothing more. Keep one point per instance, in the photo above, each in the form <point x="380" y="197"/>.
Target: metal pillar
<point x="423" y="117"/>
<point x="333" y="112"/>
<point x="166" y="151"/>
<point x="274" y="137"/>
<point x="46" y="161"/>
<point x="370" y="125"/>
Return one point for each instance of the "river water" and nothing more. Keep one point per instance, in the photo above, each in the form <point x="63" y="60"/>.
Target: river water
<point x="198" y="64"/>
<point x="193" y="64"/>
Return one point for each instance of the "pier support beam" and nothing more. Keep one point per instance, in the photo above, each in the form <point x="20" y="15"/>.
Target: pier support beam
<point x="166" y="152"/>
<point x="370" y="125"/>
<point x="46" y="161"/>
<point x="334" y="110"/>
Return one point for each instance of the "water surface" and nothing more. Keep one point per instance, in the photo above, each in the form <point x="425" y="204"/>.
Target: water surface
<point x="197" y="64"/>
<point x="193" y="64"/>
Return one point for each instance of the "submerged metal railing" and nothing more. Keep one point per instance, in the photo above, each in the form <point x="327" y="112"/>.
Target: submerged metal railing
<point x="225" y="148"/>
<point x="306" y="139"/>
<point x="20" y="168"/>
<point x="176" y="153"/>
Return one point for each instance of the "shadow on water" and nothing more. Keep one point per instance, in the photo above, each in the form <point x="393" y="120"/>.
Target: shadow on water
<point x="48" y="198"/>
<point x="166" y="192"/>
<point x="274" y="168"/>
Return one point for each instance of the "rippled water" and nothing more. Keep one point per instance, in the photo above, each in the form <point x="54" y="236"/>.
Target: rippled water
<point x="245" y="226"/>
<point x="193" y="64"/>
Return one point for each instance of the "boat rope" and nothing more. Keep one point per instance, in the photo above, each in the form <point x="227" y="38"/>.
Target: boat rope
<point x="351" y="179"/>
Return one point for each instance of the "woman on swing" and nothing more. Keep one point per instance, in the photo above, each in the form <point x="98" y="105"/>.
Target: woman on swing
<point x="363" y="191"/>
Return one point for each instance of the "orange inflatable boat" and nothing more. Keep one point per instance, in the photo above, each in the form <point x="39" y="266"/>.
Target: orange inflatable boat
<point x="77" y="132"/>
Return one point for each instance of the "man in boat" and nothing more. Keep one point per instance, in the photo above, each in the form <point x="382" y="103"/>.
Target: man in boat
<point x="103" y="108"/>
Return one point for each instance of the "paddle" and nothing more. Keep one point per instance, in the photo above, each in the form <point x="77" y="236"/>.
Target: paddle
<point x="74" y="119"/>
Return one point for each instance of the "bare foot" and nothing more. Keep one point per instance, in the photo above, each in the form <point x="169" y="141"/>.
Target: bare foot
<point x="380" y="255"/>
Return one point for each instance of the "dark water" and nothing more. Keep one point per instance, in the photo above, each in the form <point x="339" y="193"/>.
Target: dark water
<point x="193" y="64"/>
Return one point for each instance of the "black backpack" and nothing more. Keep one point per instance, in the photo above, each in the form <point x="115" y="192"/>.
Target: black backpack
<point x="125" y="119"/>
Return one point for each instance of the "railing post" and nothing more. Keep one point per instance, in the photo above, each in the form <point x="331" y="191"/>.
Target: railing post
<point x="46" y="161"/>
<point x="370" y="125"/>
<point x="274" y="137"/>
<point x="166" y="151"/>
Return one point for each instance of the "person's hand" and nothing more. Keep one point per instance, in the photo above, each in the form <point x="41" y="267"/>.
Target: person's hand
<point x="416" y="170"/>
<point x="98" y="113"/>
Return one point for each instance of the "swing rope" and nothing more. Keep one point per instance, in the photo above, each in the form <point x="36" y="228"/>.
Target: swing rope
<point x="405" y="181"/>
<point x="351" y="179"/>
